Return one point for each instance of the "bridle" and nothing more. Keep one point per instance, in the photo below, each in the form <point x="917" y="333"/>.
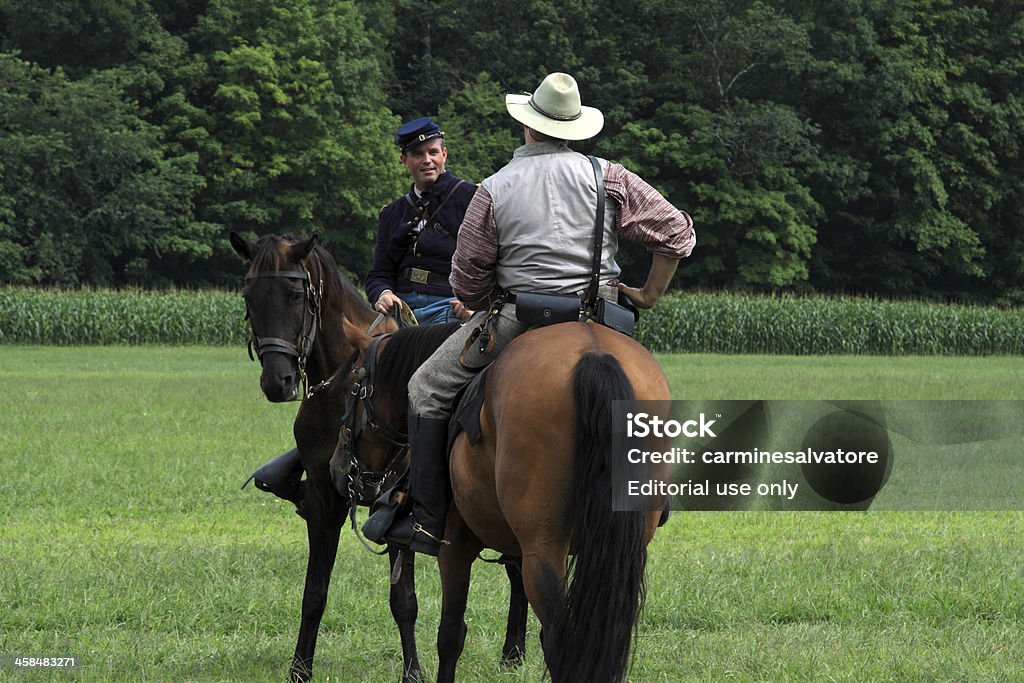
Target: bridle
<point x="300" y="349"/>
<point x="364" y="486"/>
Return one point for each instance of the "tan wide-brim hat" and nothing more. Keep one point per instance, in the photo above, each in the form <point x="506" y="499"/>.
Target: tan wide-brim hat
<point x="554" y="109"/>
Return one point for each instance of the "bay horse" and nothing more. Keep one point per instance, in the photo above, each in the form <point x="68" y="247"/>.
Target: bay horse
<point x="538" y="486"/>
<point x="297" y="302"/>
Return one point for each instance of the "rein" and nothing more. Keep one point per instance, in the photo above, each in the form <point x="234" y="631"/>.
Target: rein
<point x="361" y="481"/>
<point x="301" y="348"/>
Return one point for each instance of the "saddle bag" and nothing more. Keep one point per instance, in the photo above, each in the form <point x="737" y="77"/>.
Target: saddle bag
<point x="619" y="318"/>
<point x="384" y="511"/>
<point x="547" y="309"/>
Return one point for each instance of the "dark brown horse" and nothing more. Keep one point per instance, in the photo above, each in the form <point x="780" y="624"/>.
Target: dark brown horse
<point x="538" y="485"/>
<point x="297" y="303"/>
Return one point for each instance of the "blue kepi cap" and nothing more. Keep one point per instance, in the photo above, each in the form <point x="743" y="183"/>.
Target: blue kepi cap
<point x="417" y="131"/>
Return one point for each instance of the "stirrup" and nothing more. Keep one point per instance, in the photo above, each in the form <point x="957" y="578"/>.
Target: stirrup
<point x="404" y="534"/>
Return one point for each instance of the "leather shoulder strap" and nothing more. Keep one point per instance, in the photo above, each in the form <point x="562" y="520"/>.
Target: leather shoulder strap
<point x="595" y="268"/>
<point x="448" y="196"/>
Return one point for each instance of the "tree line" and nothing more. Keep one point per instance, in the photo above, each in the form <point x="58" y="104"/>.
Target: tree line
<point x="853" y="146"/>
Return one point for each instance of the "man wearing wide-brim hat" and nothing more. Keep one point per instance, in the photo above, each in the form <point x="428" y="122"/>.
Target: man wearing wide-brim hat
<point x="530" y="229"/>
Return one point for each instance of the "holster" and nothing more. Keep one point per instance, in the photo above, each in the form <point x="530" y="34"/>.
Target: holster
<point x="383" y="512"/>
<point x="280" y="476"/>
<point x="618" y="317"/>
<point x="547" y="309"/>
<point x="481" y="334"/>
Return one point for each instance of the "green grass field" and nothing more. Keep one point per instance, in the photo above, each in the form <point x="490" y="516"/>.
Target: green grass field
<point x="125" y="540"/>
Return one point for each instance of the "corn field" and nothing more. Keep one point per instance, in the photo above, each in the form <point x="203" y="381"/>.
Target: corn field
<point x="681" y="323"/>
<point x="792" y="325"/>
<point x="125" y="317"/>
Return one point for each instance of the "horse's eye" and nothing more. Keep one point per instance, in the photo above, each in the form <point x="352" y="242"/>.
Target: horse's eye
<point x="296" y="297"/>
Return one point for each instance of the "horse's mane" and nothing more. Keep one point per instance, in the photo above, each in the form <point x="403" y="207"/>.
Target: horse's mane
<point x="266" y="256"/>
<point x="408" y="349"/>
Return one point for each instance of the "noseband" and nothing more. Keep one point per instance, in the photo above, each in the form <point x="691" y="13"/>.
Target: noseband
<point x="301" y="348"/>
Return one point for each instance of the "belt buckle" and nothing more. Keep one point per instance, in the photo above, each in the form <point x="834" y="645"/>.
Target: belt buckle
<point x="418" y="275"/>
<point x="608" y="292"/>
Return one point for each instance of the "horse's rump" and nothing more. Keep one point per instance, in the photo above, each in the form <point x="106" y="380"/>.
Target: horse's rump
<point x="539" y="485"/>
<point x="527" y="419"/>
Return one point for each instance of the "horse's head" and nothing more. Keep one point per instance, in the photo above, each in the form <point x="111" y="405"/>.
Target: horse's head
<point x="282" y="300"/>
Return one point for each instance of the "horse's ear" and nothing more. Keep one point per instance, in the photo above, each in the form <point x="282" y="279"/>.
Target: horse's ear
<point x="355" y="336"/>
<point x="303" y="249"/>
<point x="241" y="246"/>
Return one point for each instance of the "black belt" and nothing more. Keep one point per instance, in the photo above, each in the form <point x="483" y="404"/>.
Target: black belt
<point x="423" y="277"/>
<point x="510" y="297"/>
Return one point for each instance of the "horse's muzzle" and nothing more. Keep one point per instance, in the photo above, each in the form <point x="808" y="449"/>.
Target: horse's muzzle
<point x="280" y="380"/>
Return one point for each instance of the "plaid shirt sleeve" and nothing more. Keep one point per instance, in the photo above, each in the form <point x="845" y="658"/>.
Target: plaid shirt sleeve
<point x="648" y="218"/>
<point x="475" y="259"/>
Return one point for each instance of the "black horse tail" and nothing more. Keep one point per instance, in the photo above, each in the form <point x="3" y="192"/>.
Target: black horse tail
<point x="605" y="587"/>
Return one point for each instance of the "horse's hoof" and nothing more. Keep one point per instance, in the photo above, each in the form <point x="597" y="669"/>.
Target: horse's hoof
<point x="300" y="673"/>
<point x="413" y="676"/>
<point x="513" y="659"/>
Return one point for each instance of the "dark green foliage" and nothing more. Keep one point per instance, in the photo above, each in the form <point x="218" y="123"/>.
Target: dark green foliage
<point x="87" y="196"/>
<point x="300" y="135"/>
<point x="867" y="146"/>
<point x="132" y="146"/>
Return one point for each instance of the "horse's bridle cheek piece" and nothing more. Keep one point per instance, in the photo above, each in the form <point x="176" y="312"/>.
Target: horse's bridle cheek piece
<point x="301" y="348"/>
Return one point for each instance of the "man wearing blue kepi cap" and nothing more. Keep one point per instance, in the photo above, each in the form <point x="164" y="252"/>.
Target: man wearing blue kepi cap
<point x="416" y="233"/>
<point x="411" y="262"/>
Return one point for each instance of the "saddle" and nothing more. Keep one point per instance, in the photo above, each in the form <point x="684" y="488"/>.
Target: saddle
<point x="466" y="415"/>
<point x="465" y="419"/>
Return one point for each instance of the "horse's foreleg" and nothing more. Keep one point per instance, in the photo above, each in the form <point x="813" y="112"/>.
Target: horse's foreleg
<point x="456" y="564"/>
<point x="404" y="609"/>
<point x="514" y="649"/>
<point x="323" y="531"/>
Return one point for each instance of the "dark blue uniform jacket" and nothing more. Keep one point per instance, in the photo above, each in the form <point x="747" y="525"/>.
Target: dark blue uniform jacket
<point x="443" y="204"/>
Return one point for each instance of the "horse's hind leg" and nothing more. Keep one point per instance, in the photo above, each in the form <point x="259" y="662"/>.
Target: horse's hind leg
<point x="514" y="649"/>
<point x="323" y="527"/>
<point x="456" y="564"/>
<point x="404" y="609"/>
<point x="544" y="582"/>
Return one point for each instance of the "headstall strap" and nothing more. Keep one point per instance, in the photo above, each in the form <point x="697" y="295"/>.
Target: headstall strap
<point x="311" y="320"/>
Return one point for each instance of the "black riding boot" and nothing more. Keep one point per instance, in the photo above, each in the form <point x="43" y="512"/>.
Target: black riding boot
<point x="280" y="476"/>
<point x="430" y="488"/>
